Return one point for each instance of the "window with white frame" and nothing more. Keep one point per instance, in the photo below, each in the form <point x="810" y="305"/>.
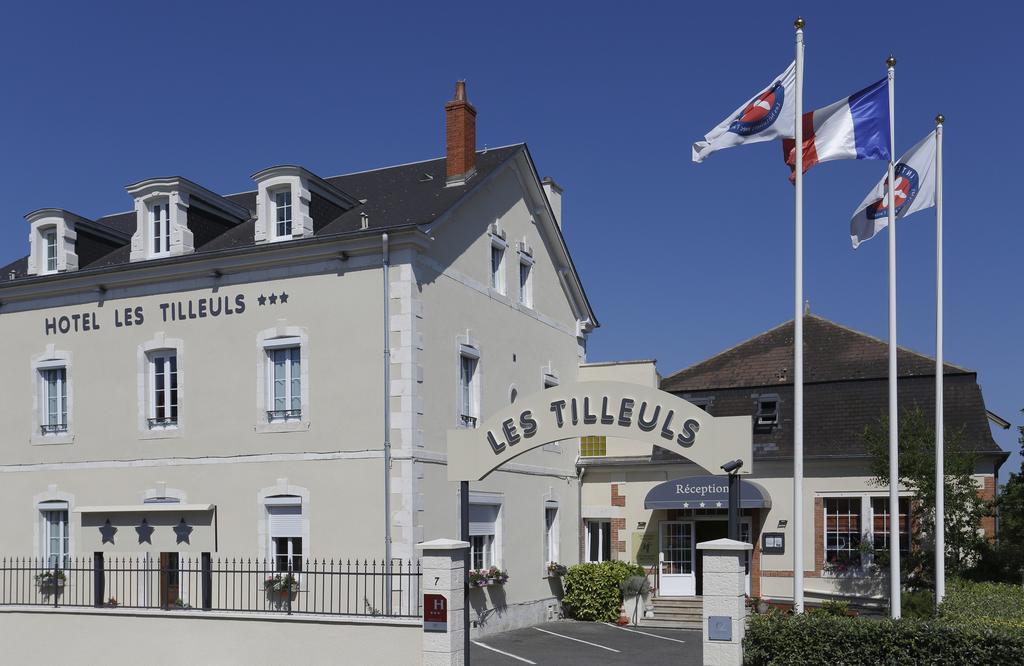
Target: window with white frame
<point x="550" y="532"/>
<point x="283" y="213"/>
<point x="50" y="249"/>
<point x="285" y="527"/>
<point x="469" y="403"/>
<point x="497" y="264"/>
<point x="598" y="540"/>
<point x="842" y="526"/>
<point x="881" y="526"/>
<point x="57" y="536"/>
<point x="163" y="389"/>
<point x="284" y="380"/>
<point x="160" y="229"/>
<point x="767" y="417"/>
<point x="526" y="280"/>
<point x="483" y="522"/>
<point x="53" y="417"/>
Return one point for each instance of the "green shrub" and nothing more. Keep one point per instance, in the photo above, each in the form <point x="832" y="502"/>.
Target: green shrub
<point x="996" y="604"/>
<point x="836" y="607"/>
<point x="592" y="589"/>
<point x="820" y="638"/>
<point x="919" y="604"/>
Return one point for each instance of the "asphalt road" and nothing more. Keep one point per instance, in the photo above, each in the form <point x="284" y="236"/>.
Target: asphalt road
<point x="568" y="642"/>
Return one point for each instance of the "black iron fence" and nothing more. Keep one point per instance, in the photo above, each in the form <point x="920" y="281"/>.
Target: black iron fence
<point x="176" y="583"/>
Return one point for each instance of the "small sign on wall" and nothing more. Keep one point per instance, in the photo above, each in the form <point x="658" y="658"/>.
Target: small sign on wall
<point x="773" y="543"/>
<point x="435" y="613"/>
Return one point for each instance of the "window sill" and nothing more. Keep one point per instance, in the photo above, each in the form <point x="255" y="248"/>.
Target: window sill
<point x="54" y="439"/>
<point x="282" y="426"/>
<point x="172" y="432"/>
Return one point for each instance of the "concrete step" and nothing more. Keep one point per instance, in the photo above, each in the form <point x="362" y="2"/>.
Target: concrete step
<point x="656" y="623"/>
<point x="679" y="603"/>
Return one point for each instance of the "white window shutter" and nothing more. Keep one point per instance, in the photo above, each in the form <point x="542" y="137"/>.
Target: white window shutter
<point x="482" y="518"/>
<point x="285" y="521"/>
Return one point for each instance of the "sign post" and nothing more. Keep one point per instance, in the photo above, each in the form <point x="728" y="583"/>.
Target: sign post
<point x="443" y="589"/>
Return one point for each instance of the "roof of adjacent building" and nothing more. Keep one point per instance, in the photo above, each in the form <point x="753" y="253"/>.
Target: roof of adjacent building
<point x="413" y="194"/>
<point x="846" y="390"/>
<point x="832" y="353"/>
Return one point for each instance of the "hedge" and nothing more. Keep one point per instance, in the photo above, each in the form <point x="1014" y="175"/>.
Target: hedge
<point x="592" y="589"/>
<point x="821" y="638"/>
<point x="997" y="604"/>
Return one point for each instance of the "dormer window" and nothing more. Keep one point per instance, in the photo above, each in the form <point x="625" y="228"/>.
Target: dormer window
<point x="292" y="202"/>
<point x="52" y="241"/>
<point x="283" y="213"/>
<point x="767" y="417"/>
<point x="50" y="247"/>
<point x="160" y="229"/>
<point x="171" y="214"/>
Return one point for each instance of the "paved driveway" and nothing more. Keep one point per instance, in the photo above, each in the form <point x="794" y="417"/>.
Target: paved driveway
<point x="569" y="642"/>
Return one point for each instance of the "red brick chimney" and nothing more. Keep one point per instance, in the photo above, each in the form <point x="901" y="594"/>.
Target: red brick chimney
<point x="460" y="133"/>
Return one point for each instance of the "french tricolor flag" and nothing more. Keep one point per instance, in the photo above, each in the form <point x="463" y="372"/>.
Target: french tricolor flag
<point x="854" y="128"/>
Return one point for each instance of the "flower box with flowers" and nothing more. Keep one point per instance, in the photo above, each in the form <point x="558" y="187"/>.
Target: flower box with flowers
<point x="50" y="580"/>
<point x="487" y="576"/>
<point x="556" y="570"/>
<point x="281" y="584"/>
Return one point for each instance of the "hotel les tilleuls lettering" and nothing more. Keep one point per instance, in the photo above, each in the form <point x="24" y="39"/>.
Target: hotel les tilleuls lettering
<point x="205" y="307"/>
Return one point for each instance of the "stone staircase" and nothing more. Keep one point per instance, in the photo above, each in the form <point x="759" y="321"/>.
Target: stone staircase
<point x="676" y="613"/>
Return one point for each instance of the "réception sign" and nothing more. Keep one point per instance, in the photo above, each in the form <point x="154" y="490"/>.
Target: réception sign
<point x="641" y="414"/>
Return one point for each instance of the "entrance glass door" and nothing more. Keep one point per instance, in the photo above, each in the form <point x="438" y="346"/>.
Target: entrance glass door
<point x="676" y="559"/>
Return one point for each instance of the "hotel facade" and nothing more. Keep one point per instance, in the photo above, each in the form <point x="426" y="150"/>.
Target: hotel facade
<point x="271" y="375"/>
<point x="269" y="378"/>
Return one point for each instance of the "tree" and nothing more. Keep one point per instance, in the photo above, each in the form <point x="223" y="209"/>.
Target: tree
<point x="1011" y="505"/>
<point x="964" y="508"/>
<point x="1006" y="562"/>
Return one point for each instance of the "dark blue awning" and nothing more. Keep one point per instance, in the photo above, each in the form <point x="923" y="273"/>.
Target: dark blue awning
<point x="705" y="492"/>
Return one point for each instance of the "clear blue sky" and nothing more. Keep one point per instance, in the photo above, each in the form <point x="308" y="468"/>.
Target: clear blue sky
<point x="680" y="260"/>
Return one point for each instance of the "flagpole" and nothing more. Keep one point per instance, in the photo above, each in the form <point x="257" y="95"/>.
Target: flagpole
<point x="894" y="475"/>
<point x="940" y="476"/>
<point x="798" y="332"/>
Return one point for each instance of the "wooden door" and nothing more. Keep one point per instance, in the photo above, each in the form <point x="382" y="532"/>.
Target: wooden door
<point x="170" y="591"/>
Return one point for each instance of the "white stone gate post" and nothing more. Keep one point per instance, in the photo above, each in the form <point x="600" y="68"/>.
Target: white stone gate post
<point x="442" y="568"/>
<point x="725" y="612"/>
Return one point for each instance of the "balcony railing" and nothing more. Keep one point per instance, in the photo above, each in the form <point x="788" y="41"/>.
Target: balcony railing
<point x="163" y="422"/>
<point x="53" y="428"/>
<point x="278" y="415"/>
<point x="246" y="585"/>
<point x="468" y="421"/>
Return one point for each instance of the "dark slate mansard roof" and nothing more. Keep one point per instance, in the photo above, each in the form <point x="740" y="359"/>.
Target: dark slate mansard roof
<point x="399" y="196"/>
<point x="845" y="390"/>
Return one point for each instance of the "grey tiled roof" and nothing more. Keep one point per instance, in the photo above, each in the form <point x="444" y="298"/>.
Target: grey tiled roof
<point x="403" y="195"/>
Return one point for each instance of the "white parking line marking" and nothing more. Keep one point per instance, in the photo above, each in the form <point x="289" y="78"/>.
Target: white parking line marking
<point x="644" y="633"/>
<point x="507" y="654"/>
<point x="603" y="647"/>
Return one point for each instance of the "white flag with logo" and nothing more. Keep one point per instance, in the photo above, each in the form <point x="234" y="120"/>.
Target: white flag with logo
<point x="767" y="115"/>
<point x="915" y="190"/>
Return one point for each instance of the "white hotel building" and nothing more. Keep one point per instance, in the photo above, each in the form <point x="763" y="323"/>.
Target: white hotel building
<point x="226" y="374"/>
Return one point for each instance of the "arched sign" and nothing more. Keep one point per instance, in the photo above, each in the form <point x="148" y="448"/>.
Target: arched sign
<point x="614" y="409"/>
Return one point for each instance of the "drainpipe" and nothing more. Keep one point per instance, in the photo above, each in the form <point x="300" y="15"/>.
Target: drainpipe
<point x="579" y="510"/>
<point x="385" y="265"/>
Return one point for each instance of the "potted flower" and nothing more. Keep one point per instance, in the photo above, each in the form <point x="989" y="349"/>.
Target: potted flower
<point x="112" y="602"/>
<point x="487" y="576"/>
<point x="757" y="604"/>
<point x="281" y="584"/>
<point x="557" y="570"/>
<point x="50" y="580"/>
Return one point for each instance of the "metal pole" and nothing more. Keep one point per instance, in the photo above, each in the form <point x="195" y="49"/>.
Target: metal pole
<point x="894" y="470"/>
<point x="734" y="506"/>
<point x="385" y="269"/>
<point x="798" y="332"/>
<point x="940" y="476"/>
<point x="464" y="531"/>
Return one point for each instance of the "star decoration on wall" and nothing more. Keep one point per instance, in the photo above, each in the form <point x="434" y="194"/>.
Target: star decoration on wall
<point x="145" y="532"/>
<point x="107" y="532"/>
<point x="284" y="297"/>
<point x="273" y="299"/>
<point x="262" y="300"/>
<point x="718" y="504"/>
<point x="686" y="505"/>
<point x="182" y="532"/>
<point x="702" y="505"/>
